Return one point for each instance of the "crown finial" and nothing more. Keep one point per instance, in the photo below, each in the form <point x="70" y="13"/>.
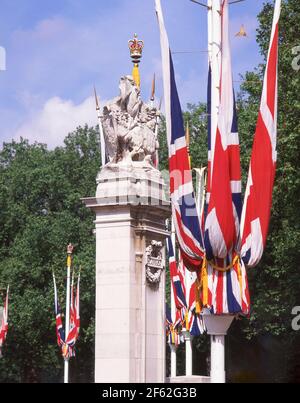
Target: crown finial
<point x="136" y="47"/>
<point x="242" y="32"/>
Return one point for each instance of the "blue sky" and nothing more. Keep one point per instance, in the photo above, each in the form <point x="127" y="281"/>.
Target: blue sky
<point x="56" y="50"/>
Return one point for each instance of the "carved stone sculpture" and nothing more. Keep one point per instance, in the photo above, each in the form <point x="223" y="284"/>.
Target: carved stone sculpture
<point x="155" y="263"/>
<point x="129" y="126"/>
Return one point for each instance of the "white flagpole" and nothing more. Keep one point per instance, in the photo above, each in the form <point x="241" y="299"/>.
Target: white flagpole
<point x="217" y="326"/>
<point x="67" y="324"/>
<point x="173" y="311"/>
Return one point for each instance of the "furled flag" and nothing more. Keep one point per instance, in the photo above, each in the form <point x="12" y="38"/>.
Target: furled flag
<point x="224" y="186"/>
<point x="176" y="278"/>
<point x="186" y="220"/>
<point x="74" y="318"/>
<point x="193" y="321"/>
<point x="4" y="322"/>
<point x="60" y="333"/>
<point x="258" y="196"/>
<point x="224" y="280"/>
<point x="172" y="329"/>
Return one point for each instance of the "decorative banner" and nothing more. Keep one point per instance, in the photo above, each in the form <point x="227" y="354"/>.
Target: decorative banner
<point x="258" y="196"/>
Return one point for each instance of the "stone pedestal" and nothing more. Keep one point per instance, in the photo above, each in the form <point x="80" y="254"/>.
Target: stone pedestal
<point x="131" y="210"/>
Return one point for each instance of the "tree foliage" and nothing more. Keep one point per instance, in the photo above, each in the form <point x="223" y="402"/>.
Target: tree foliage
<point x="41" y="212"/>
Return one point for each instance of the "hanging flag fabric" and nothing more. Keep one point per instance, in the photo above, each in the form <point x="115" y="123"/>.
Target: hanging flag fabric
<point x="60" y="333"/>
<point x="4" y="322"/>
<point x="224" y="196"/>
<point x="186" y="220"/>
<point x="74" y="317"/>
<point x="172" y="328"/>
<point x="223" y="280"/>
<point x="176" y="278"/>
<point x="193" y="320"/>
<point x="258" y="196"/>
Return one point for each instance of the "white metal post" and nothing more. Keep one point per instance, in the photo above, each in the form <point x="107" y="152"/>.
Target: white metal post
<point x="187" y="335"/>
<point x="188" y="354"/>
<point x="216" y="25"/>
<point x="67" y="324"/>
<point x="217" y="326"/>
<point x="173" y="312"/>
<point x="217" y="374"/>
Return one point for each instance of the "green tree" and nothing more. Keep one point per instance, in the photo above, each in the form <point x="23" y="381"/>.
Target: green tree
<point x="41" y="212"/>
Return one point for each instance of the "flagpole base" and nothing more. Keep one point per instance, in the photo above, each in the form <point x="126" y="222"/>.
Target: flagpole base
<point x="217" y="327"/>
<point x="66" y="371"/>
<point x="173" y="349"/>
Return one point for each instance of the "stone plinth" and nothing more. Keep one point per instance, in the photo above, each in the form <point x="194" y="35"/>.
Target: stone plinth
<point x="131" y="210"/>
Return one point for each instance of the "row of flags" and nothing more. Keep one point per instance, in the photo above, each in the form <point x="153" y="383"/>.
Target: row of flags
<point x="67" y="342"/>
<point x="67" y="345"/>
<point x="184" y="284"/>
<point x="220" y="241"/>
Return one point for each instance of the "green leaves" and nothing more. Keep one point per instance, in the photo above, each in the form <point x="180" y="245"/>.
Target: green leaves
<point x="40" y="213"/>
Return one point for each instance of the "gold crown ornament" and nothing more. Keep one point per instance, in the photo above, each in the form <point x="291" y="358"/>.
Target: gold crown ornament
<point x="136" y="47"/>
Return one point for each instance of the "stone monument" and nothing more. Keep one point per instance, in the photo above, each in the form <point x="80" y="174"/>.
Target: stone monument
<point x="131" y="209"/>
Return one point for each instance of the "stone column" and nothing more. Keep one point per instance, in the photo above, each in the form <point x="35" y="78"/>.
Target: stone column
<point x="131" y="211"/>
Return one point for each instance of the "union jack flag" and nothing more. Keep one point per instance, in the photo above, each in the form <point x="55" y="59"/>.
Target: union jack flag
<point x="184" y="210"/>
<point x="60" y="333"/>
<point x="258" y="196"/>
<point x="224" y="171"/>
<point x="224" y="280"/>
<point x="4" y="322"/>
<point x="74" y="317"/>
<point x="172" y="330"/>
<point x="176" y="278"/>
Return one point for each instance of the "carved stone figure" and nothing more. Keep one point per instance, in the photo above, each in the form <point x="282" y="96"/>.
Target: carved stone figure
<point x="129" y="126"/>
<point x="155" y="263"/>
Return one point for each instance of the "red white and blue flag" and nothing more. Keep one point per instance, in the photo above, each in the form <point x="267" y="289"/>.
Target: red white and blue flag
<point x="224" y="171"/>
<point x="74" y="317"/>
<point x="186" y="220"/>
<point x="60" y="333"/>
<point x="67" y="344"/>
<point x="4" y="322"/>
<point x="177" y="280"/>
<point x="224" y="280"/>
<point x="258" y="196"/>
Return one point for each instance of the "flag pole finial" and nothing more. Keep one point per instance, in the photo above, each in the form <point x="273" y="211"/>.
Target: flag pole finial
<point x="242" y="32"/>
<point x="136" y="47"/>
<point x="153" y="89"/>
<point x="96" y="100"/>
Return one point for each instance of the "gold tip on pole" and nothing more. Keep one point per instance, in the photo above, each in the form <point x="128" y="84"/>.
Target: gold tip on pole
<point x="96" y="99"/>
<point x="153" y="89"/>
<point x="70" y="248"/>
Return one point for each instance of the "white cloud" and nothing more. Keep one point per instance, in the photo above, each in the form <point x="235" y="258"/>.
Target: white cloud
<point x="56" y="119"/>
